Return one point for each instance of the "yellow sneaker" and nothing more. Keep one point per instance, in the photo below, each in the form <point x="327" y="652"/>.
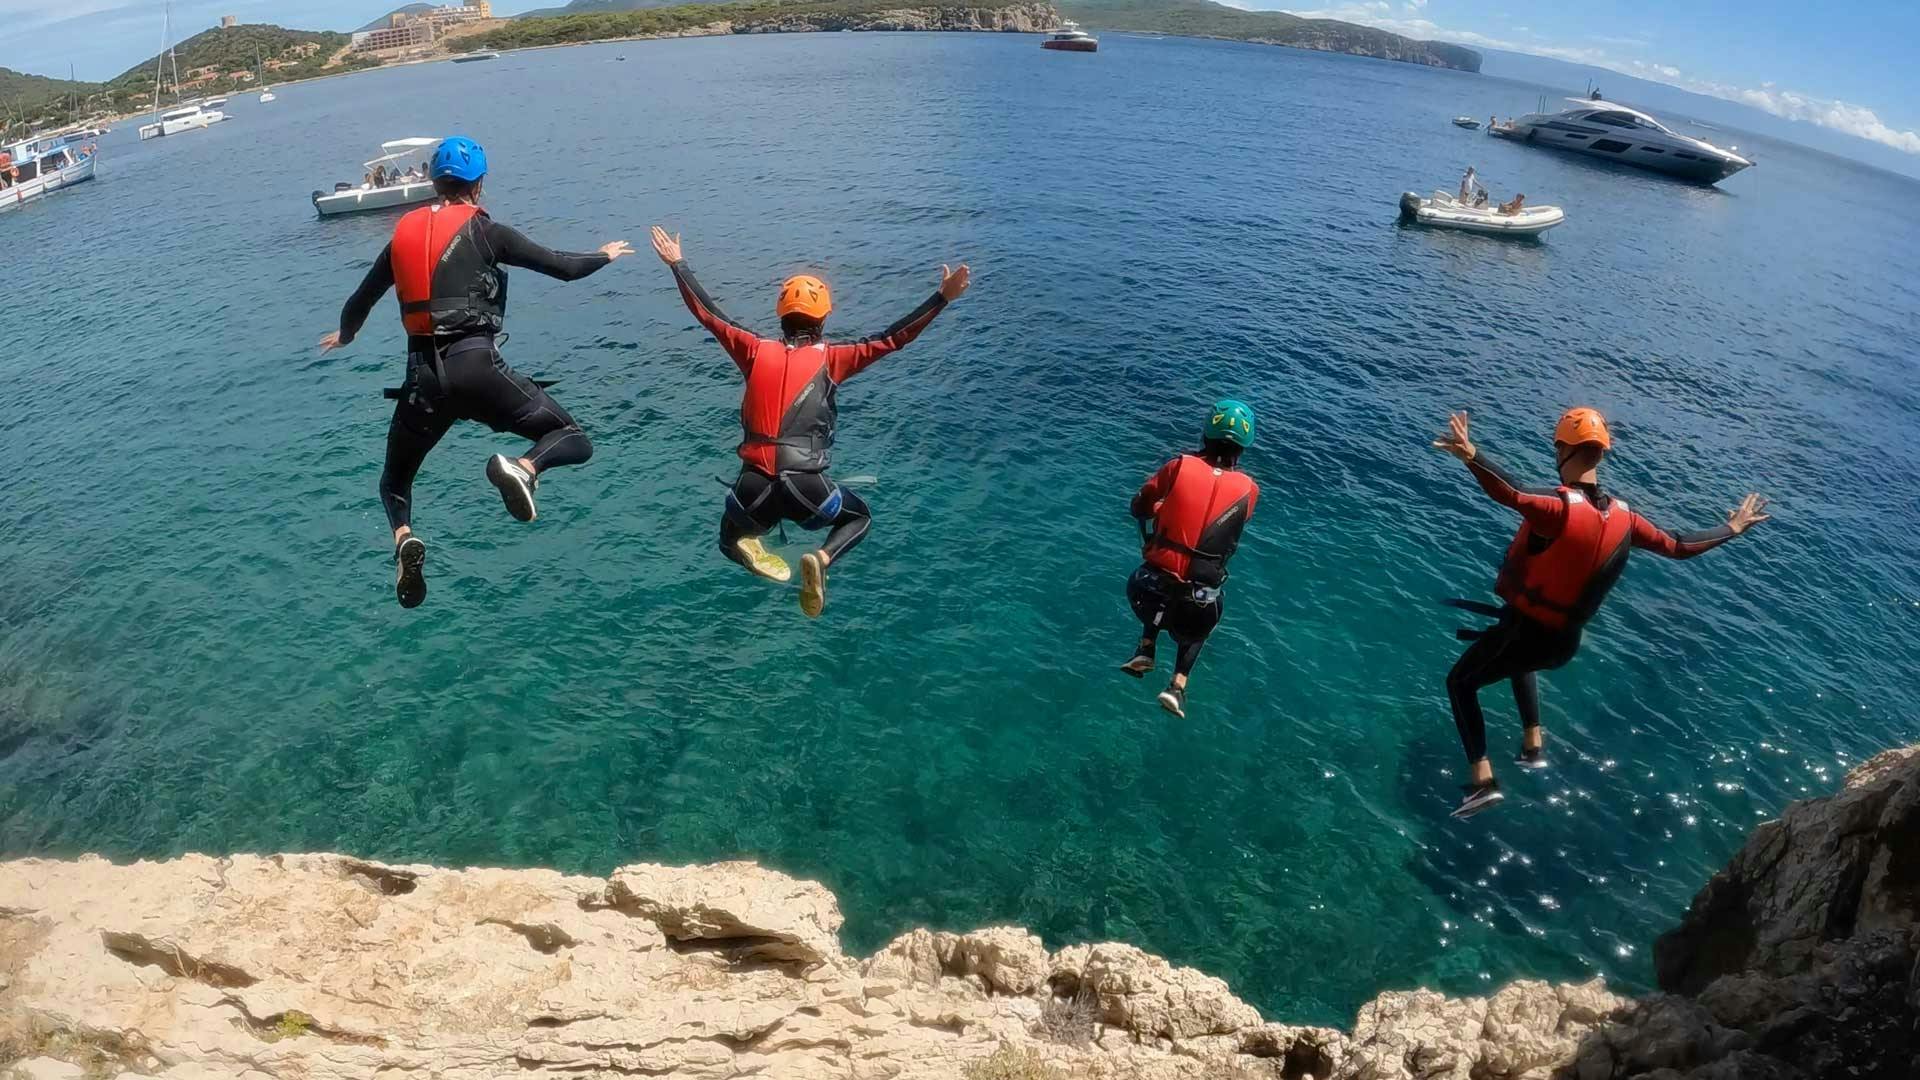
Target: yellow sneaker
<point x="813" y="584"/>
<point x="761" y="561"/>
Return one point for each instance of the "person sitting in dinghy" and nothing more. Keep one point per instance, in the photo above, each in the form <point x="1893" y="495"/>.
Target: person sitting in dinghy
<point x="1514" y="205"/>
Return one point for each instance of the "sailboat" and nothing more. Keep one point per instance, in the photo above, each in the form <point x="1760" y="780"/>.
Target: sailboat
<point x="181" y="118"/>
<point x="260" y="73"/>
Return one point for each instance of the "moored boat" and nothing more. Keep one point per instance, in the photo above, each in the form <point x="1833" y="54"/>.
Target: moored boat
<point x="1443" y="211"/>
<point x="405" y="158"/>
<point x="1604" y="129"/>
<point x="184" y="119"/>
<point x="1070" y="38"/>
<point x="469" y="58"/>
<point x="37" y="168"/>
<point x="1465" y="122"/>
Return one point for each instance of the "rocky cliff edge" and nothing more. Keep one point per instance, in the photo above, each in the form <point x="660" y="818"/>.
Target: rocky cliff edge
<point x="1798" y="960"/>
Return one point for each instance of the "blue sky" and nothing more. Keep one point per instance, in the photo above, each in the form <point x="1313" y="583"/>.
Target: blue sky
<point x="1847" y="67"/>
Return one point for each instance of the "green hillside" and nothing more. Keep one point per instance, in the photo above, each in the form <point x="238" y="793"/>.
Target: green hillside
<point x="787" y="14"/>
<point x="227" y="50"/>
<point x="1199" y="18"/>
<point x="29" y="103"/>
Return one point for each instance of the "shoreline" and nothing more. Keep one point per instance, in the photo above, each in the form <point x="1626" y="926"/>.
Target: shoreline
<point x="325" y="966"/>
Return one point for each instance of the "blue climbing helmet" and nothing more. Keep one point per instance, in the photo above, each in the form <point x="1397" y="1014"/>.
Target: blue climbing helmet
<point x="1231" y="421"/>
<point x="459" y="158"/>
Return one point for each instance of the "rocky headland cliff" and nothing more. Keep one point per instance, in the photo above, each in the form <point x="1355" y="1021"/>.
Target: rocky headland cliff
<point x="1800" y="960"/>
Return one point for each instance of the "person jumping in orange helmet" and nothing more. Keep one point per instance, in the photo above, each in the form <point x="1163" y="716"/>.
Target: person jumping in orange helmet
<point x="788" y="414"/>
<point x="1572" y="546"/>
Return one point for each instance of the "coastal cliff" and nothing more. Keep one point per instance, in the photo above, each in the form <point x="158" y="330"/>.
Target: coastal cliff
<point x="1796" y="961"/>
<point x="753" y="17"/>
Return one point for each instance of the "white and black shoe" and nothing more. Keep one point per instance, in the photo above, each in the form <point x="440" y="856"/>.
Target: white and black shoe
<point x="1139" y="665"/>
<point x="516" y="485"/>
<point x="1480" y="797"/>
<point x="1535" y="758"/>
<point x="1174" y="700"/>
<point x="409" y="571"/>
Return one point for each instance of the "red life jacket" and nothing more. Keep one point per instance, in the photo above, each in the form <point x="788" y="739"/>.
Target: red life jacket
<point x="1196" y="528"/>
<point x="1561" y="584"/>
<point x="448" y="286"/>
<point x="788" y="410"/>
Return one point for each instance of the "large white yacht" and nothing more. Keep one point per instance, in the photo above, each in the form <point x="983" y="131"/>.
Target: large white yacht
<point x="1604" y="129"/>
<point x="185" y="118"/>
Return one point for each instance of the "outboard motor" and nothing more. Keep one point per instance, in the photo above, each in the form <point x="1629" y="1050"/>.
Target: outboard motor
<point x="1409" y="205"/>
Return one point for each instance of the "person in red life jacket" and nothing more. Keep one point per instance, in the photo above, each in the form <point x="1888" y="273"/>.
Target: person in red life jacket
<point x="788" y="414"/>
<point x="448" y="263"/>
<point x="1198" y="504"/>
<point x="1571" y="548"/>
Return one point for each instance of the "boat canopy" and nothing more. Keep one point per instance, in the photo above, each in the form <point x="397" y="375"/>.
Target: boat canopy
<point x="404" y="150"/>
<point x="1596" y="109"/>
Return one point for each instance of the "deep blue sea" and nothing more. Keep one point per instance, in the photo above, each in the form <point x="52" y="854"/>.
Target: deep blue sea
<point x="200" y="651"/>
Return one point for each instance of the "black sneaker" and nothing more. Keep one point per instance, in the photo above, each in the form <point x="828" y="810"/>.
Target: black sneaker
<point x="1174" y="700"/>
<point x="1535" y="758"/>
<point x="1139" y="665"/>
<point x="516" y="485"/>
<point x="409" y="580"/>
<point x="1479" y="797"/>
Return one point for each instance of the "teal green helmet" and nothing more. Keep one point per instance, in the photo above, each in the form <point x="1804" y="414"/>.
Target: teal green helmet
<point x="1231" y="421"/>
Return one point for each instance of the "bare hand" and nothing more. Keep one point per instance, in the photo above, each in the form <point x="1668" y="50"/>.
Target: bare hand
<point x="668" y="247"/>
<point x="1455" y="441"/>
<point x="1749" y="513"/>
<point x="331" y="342"/>
<point x="616" y="249"/>
<point x="954" y="282"/>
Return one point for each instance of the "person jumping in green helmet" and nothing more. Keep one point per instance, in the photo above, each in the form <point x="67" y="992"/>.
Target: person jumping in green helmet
<point x="1197" y="505"/>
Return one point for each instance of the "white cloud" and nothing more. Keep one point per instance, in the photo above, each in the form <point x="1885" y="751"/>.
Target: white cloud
<point x="1857" y="120"/>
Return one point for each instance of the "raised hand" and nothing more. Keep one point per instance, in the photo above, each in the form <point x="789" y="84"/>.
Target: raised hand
<point x="1455" y="441"/>
<point x="954" y="282"/>
<point x="668" y="247"/>
<point x="331" y="342"/>
<point x="616" y="249"/>
<point x="1749" y="513"/>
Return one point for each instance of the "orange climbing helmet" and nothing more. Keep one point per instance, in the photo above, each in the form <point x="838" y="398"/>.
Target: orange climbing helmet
<point x="1581" y="426"/>
<point x="804" y="295"/>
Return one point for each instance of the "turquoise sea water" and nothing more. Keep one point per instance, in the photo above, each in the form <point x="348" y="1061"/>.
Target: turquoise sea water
<point x="199" y="649"/>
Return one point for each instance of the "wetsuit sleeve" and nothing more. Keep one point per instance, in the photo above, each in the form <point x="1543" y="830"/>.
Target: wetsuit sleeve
<point x="1650" y="537"/>
<point x="372" y="287"/>
<point x="1544" y="509"/>
<point x="848" y="360"/>
<point x="511" y="246"/>
<point x="736" y="339"/>
<point x="1154" y="490"/>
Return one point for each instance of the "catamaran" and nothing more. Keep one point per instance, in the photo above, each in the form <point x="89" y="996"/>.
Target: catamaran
<point x="185" y="117"/>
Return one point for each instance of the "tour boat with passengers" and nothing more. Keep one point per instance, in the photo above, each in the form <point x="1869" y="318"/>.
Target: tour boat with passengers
<point x="1604" y="129"/>
<point x="1070" y="38"/>
<point x="404" y="160"/>
<point x="38" y="167"/>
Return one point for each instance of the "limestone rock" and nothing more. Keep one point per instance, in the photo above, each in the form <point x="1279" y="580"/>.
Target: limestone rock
<point x="757" y="913"/>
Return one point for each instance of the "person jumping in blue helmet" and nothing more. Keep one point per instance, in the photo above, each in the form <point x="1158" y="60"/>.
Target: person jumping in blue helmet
<point x="448" y="263"/>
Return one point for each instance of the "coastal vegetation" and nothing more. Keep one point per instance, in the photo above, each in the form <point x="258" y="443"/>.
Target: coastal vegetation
<point x="1201" y="18"/>
<point x="29" y="102"/>
<point x="743" y="16"/>
<point x="222" y="60"/>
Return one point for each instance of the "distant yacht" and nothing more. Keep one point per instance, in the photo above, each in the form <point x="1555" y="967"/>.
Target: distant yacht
<point x="185" y="118"/>
<point x="1604" y="129"/>
<point x="1070" y="38"/>
<point x="469" y="58"/>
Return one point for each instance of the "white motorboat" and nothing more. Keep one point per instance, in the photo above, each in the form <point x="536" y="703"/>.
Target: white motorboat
<point x="1070" y="38"/>
<point x="213" y="103"/>
<point x="266" y="96"/>
<point x="39" y="167"/>
<point x="468" y="58"/>
<point x="401" y="157"/>
<point x="1443" y="211"/>
<point x="1615" y="132"/>
<point x="1465" y="122"/>
<point x="184" y="119"/>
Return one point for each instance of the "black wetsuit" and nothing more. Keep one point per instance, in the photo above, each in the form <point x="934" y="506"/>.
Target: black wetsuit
<point x="1188" y="612"/>
<point x="759" y="502"/>
<point x="1518" y="646"/>
<point x="470" y="381"/>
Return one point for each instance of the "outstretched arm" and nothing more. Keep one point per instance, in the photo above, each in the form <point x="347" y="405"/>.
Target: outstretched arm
<point x="354" y="315"/>
<point x="1543" y="508"/>
<point x="511" y="246"/>
<point x="1650" y="537"/>
<point x="736" y="339"/>
<point x="847" y="360"/>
